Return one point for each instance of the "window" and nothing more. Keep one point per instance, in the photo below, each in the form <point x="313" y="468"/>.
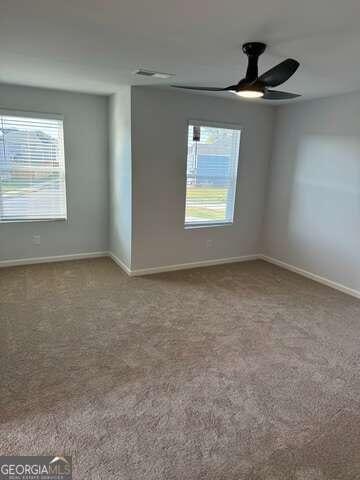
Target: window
<point x="211" y="173"/>
<point x="32" y="167"/>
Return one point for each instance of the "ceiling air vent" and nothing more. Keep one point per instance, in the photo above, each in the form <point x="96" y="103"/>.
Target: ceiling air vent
<point x="150" y="73"/>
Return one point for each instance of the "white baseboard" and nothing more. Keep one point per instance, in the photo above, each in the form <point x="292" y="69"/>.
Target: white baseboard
<point x="54" y="258"/>
<point x="182" y="266"/>
<point x="120" y="263"/>
<point x="312" y="276"/>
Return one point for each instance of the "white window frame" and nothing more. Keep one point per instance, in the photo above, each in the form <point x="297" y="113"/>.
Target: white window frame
<point x="214" y="124"/>
<point x="39" y="115"/>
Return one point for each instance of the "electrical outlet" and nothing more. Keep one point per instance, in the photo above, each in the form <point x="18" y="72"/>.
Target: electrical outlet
<point x="209" y="243"/>
<point x="36" y="239"/>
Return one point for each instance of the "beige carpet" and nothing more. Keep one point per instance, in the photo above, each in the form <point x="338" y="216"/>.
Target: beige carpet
<point x="235" y="372"/>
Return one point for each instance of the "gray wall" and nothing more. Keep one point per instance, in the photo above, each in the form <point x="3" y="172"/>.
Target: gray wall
<point x="159" y="139"/>
<point x="313" y="214"/>
<point x="312" y="218"/>
<point x="120" y="175"/>
<point x="85" y="134"/>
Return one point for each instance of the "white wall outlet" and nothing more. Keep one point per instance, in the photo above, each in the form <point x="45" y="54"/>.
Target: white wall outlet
<point x="36" y="239"/>
<point x="209" y="243"/>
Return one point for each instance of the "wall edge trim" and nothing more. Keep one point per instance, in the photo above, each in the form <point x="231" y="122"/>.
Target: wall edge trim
<point x="51" y="259"/>
<point x="120" y="263"/>
<point x="190" y="265"/>
<point x="183" y="266"/>
<point x="312" y="276"/>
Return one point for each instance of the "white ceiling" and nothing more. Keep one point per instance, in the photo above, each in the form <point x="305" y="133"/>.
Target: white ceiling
<point x="95" y="45"/>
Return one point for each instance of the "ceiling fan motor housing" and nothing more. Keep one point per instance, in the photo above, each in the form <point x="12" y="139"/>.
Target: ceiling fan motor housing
<point x="251" y="87"/>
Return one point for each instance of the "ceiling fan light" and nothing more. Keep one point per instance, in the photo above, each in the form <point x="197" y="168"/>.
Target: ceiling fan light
<point x="249" y="93"/>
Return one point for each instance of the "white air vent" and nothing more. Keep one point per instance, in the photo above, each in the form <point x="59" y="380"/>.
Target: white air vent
<point x="150" y="73"/>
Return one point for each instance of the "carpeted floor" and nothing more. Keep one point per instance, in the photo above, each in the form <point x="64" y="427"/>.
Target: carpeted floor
<point x="235" y="372"/>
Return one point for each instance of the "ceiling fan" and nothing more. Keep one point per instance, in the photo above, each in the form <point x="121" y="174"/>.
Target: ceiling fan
<point x="253" y="85"/>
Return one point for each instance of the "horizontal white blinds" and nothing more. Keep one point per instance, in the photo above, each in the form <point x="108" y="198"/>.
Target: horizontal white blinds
<point x="32" y="168"/>
<point x="212" y="161"/>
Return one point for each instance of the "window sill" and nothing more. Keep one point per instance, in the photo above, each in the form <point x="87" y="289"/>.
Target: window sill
<point x="36" y="220"/>
<point x="207" y="225"/>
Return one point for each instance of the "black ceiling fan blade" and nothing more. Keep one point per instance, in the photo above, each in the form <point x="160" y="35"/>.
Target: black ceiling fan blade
<point x="277" y="95"/>
<point x="280" y="73"/>
<point x="208" y="89"/>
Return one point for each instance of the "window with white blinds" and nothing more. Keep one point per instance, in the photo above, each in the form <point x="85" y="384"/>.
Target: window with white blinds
<point x="32" y="167"/>
<point x="212" y="162"/>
